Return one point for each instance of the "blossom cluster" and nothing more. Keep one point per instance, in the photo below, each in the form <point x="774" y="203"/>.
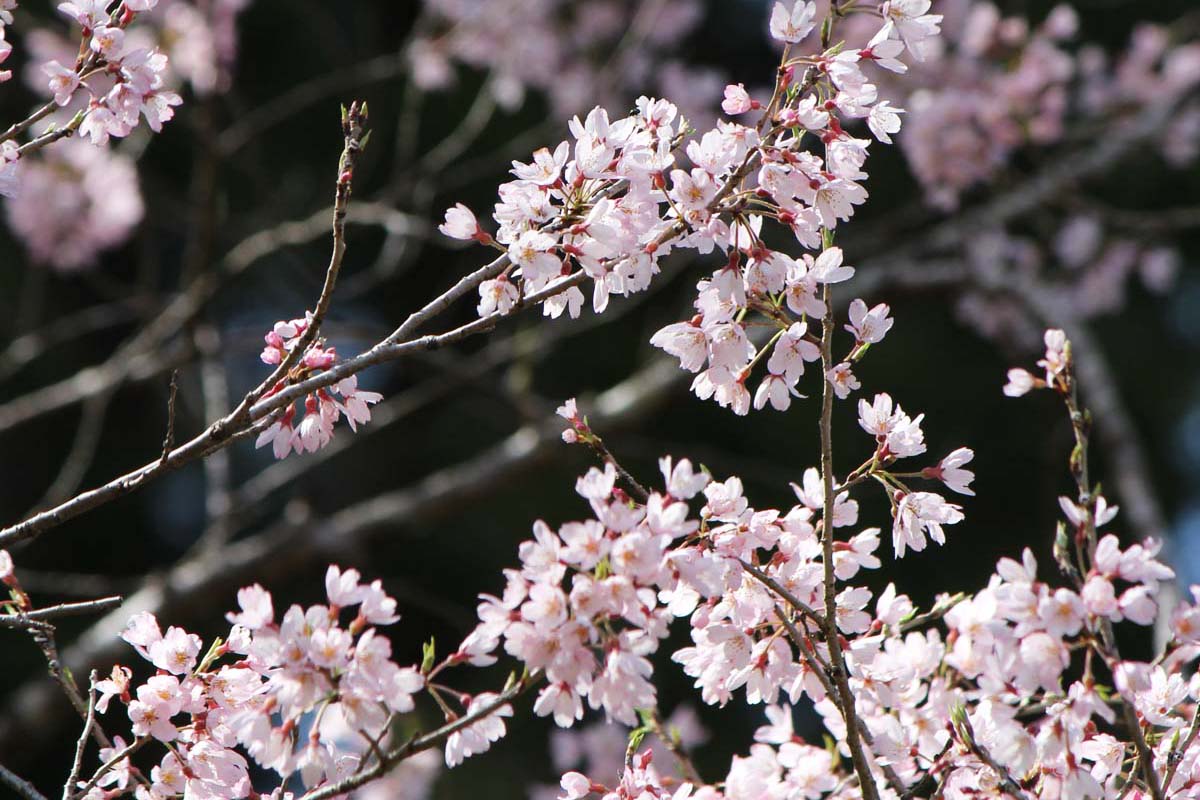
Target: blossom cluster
<point x="1008" y="698"/>
<point x="322" y="408"/>
<point x="137" y="74"/>
<point x="621" y="203"/>
<point x="593" y="600"/>
<point x="558" y="214"/>
<point x="102" y="82"/>
<point x="293" y="696"/>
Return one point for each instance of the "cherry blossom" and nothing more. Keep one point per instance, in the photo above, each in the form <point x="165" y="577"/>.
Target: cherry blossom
<point x="321" y="409"/>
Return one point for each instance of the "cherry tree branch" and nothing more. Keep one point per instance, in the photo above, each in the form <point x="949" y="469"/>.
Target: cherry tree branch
<point x="41" y="615"/>
<point x="840" y="675"/>
<point x="287" y="546"/>
<point x="81" y="745"/>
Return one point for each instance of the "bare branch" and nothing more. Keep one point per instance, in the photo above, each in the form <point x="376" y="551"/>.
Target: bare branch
<point x="74" y="609"/>
<point x="169" y="438"/>
<point x="81" y="745"/>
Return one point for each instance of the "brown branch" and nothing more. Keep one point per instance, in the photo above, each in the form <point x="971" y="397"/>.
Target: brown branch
<point x="675" y="747"/>
<point x="116" y="759"/>
<point x="285" y="547"/>
<point x="840" y="674"/>
<point x="81" y="745"/>
<point x="73" y="609"/>
<point x="169" y="439"/>
<point x="354" y="134"/>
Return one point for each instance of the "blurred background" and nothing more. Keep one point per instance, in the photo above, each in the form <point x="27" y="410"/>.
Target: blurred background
<point x="1045" y="177"/>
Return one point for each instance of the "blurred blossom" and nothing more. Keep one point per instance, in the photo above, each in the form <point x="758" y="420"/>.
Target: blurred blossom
<point x="412" y="779"/>
<point x="77" y="200"/>
<point x="1159" y="267"/>
<point x="567" y="50"/>
<point x="1078" y="240"/>
<point x="995" y="84"/>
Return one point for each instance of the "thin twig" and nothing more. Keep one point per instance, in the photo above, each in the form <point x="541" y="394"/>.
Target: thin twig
<point x="779" y="589"/>
<point x="940" y="609"/>
<point x="74" y="609"/>
<point x="81" y="745"/>
<point x="840" y="673"/>
<point x="43" y="636"/>
<point x="116" y="759"/>
<point x="354" y="133"/>
<point x="676" y="747"/>
<point x="169" y="439"/>
<point x="602" y="452"/>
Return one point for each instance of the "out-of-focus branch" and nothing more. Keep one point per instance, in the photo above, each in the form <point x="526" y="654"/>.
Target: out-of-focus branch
<point x="215" y="390"/>
<point x="82" y="453"/>
<point x="262" y="118"/>
<point x="22" y="787"/>
<point x="139" y="358"/>
<point x="28" y="347"/>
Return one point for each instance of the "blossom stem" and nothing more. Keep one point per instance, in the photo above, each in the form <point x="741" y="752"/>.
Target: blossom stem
<point x="601" y="450"/>
<point x="1081" y="424"/>
<point x="840" y="675"/>
<point x="676" y="747"/>
<point x="820" y="670"/>
<point x="1175" y="757"/>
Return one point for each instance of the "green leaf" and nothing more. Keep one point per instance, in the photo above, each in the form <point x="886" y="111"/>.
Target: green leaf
<point x="428" y="655"/>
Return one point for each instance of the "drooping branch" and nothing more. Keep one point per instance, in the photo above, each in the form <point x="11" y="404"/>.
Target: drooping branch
<point x="841" y="680"/>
